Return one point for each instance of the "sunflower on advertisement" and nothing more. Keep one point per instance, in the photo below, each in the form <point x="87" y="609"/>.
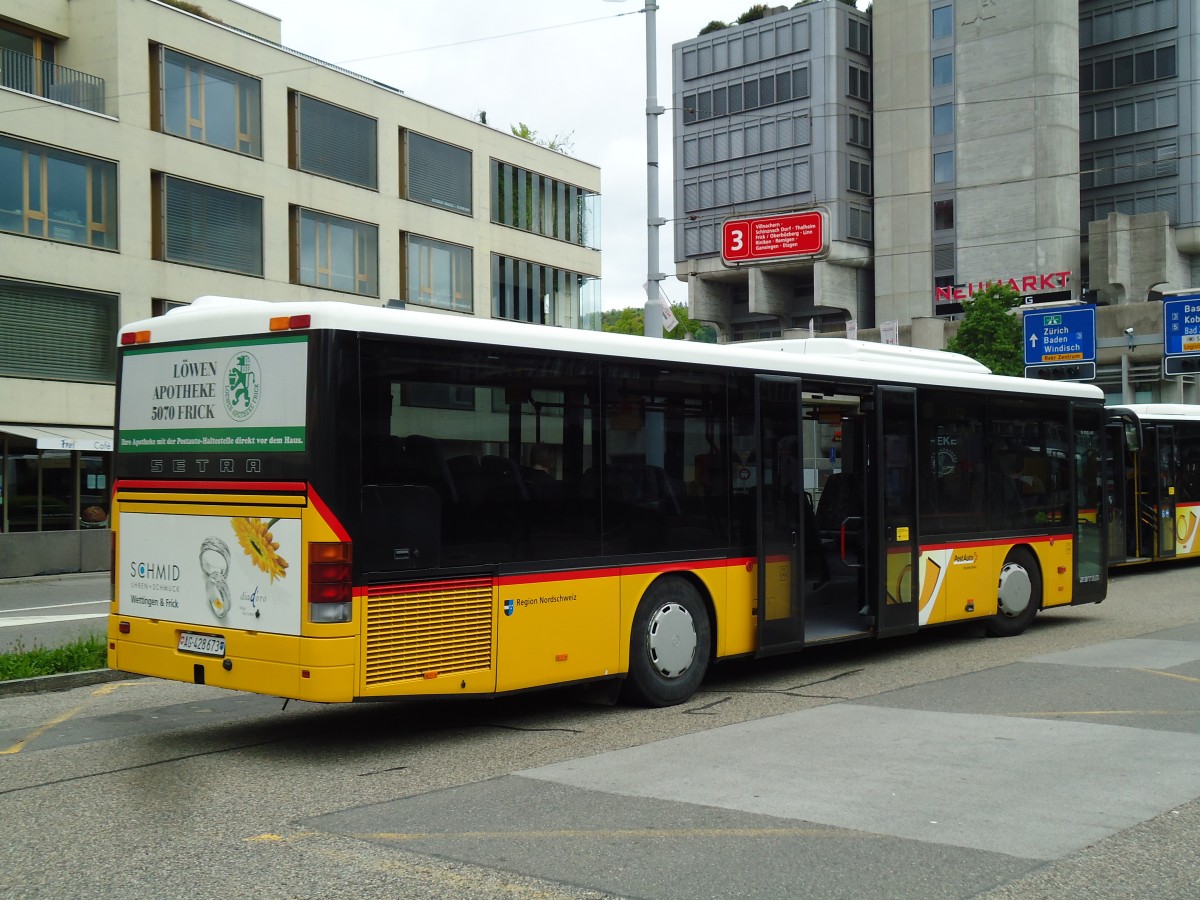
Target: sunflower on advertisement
<point x="254" y="535"/>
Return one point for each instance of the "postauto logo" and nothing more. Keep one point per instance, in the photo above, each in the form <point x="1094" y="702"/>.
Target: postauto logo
<point x="155" y="571"/>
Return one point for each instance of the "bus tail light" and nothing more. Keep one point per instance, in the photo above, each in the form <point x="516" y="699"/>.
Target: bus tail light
<point x="330" y="580"/>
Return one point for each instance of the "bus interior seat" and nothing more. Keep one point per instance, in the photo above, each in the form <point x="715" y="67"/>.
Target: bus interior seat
<point x="500" y="478"/>
<point x="466" y="474"/>
<point x="424" y="456"/>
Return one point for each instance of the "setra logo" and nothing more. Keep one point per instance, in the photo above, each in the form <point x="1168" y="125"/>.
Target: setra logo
<point x="243" y="384"/>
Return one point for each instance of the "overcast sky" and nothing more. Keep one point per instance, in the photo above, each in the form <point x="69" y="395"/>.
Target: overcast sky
<point x="572" y="68"/>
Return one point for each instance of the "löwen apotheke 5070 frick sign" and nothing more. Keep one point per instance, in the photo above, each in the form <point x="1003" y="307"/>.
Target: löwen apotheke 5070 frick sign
<point x="225" y="397"/>
<point x="767" y="238"/>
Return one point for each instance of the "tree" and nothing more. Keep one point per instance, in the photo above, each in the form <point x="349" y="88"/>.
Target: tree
<point x="989" y="334"/>
<point x="631" y="320"/>
<point x="757" y="11"/>
<point x="560" y="142"/>
<point x="714" y="25"/>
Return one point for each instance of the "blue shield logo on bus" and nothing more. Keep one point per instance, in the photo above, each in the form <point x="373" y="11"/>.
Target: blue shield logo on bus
<point x="508" y="607"/>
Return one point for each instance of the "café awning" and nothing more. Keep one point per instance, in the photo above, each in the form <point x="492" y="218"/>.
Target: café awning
<point x="64" y="437"/>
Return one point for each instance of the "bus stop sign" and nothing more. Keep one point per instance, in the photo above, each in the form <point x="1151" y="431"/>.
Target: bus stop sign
<point x="773" y="237"/>
<point x="1060" y="336"/>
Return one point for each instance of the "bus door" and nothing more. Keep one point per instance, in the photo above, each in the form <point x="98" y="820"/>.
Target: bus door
<point x="896" y="577"/>
<point x="1119" y="468"/>
<point x="780" y="513"/>
<point x="1088" y="504"/>
<point x="1163" y="491"/>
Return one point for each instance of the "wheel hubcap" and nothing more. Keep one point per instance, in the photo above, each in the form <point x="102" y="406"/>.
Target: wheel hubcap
<point x="1016" y="590"/>
<point x="672" y="643"/>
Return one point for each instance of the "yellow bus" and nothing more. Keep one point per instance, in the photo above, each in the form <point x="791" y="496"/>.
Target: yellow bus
<point x="1153" y="482"/>
<point x="331" y="502"/>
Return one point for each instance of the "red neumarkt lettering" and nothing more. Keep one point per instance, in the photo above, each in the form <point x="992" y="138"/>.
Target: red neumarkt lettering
<point x="1026" y="284"/>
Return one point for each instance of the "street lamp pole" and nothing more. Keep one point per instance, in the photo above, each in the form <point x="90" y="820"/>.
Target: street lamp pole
<point x="653" y="314"/>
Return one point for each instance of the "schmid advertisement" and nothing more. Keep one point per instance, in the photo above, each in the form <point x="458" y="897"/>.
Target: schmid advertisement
<point x="219" y="571"/>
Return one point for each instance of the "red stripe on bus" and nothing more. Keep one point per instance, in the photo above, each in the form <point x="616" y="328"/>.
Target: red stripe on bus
<point x="999" y="542"/>
<point x="324" y="511"/>
<point x="279" y="487"/>
<point x="648" y="568"/>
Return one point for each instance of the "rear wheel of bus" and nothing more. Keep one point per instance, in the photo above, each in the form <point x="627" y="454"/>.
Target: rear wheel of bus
<point x="1018" y="594"/>
<point x="670" y="644"/>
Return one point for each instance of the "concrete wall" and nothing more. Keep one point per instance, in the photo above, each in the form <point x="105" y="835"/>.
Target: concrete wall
<point x="55" y="552"/>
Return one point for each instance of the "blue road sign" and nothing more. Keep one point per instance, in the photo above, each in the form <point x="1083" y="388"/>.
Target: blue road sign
<point x="1181" y="325"/>
<point x="1064" y="335"/>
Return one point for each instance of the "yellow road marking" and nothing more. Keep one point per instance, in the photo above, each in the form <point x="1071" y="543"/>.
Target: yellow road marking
<point x="1169" y="675"/>
<point x="62" y="717"/>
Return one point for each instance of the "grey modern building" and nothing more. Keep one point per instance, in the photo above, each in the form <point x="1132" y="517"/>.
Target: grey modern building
<point x="1047" y="144"/>
<point x="775" y="116"/>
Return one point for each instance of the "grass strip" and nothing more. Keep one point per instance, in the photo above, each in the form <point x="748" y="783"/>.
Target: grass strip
<point x="82" y="655"/>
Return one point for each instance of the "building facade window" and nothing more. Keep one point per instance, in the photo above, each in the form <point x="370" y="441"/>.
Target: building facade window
<point x="336" y="253"/>
<point x="438" y="274"/>
<point x="743" y="94"/>
<point x="943" y="118"/>
<point x="860" y="131"/>
<point x="57" y="333"/>
<point x="26" y="60"/>
<point x="942" y="22"/>
<point x="860" y="83"/>
<point x="943" y="167"/>
<point x="202" y="225"/>
<point x="543" y="205"/>
<point x="437" y="173"/>
<point x="943" y="215"/>
<point x="333" y="142"/>
<point x="858" y="36"/>
<point x="55" y="194"/>
<point x="943" y="70"/>
<point x="860" y="177"/>
<point x="208" y="103"/>
<point x="530" y="292"/>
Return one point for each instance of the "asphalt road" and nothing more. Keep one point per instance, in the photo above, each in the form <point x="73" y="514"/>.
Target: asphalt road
<point x="1063" y="763"/>
<point x="52" y="611"/>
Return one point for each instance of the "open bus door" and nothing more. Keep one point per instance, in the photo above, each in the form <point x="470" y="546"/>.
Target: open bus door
<point x="780" y="513"/>
<point x="1162" y="491"/>
<point x="1120" y="459"/>
<point x="894" y="512"/>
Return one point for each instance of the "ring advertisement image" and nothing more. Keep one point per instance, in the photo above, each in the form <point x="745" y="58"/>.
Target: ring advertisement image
<point x="217" y="571"/>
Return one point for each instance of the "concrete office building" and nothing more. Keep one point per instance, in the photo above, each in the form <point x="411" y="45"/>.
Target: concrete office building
<point x="149" y="155"/>
<point x="775" y="116"/>
<point x="1049" y="144"/>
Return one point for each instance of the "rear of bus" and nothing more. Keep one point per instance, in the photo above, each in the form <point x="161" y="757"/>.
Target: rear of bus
<point x="230" y="569"/>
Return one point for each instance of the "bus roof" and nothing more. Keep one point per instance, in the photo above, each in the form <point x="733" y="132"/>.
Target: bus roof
<point x="1173" y="412"/>
<point x="222" y="317"/>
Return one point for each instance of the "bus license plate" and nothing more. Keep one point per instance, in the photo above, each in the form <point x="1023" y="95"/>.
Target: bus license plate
<point x="206" y="644"/>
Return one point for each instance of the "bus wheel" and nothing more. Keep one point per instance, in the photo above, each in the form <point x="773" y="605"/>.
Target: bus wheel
<point x="669" y="646"/>
<point x="1018" y="594"/>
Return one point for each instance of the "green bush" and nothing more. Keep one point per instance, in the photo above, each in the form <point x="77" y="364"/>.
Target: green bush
<point x="82" y="655"/>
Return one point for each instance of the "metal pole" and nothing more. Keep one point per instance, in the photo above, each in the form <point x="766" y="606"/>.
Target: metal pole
<point x="653" y="314"/>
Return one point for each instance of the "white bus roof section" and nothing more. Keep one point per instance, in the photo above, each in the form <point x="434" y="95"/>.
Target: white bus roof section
<point x="882" y="353"/>
<point x="1164" y="411"/>
<point x="225" y="317"/>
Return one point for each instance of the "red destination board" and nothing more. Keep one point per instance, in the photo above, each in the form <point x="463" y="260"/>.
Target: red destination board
<point x="773" y="237"/>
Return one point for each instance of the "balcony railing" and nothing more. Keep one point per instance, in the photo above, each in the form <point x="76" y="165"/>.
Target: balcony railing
<point x="31" y="75"/>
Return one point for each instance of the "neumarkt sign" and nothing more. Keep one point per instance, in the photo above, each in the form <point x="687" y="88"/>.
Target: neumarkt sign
<point x="225" y="397"/>
<point x="1064" y="335"/>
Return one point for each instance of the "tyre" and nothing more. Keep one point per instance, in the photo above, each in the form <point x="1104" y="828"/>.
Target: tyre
<point x="1018" y="594"/>
<point x="669" y="646"/>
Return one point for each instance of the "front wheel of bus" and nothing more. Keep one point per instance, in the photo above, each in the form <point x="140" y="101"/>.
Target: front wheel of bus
<point x="1018" y="595"/>
<point x="669" y="646"/>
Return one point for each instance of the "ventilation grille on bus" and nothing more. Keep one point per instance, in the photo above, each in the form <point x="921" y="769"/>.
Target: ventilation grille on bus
<point x="434" y="626"/>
